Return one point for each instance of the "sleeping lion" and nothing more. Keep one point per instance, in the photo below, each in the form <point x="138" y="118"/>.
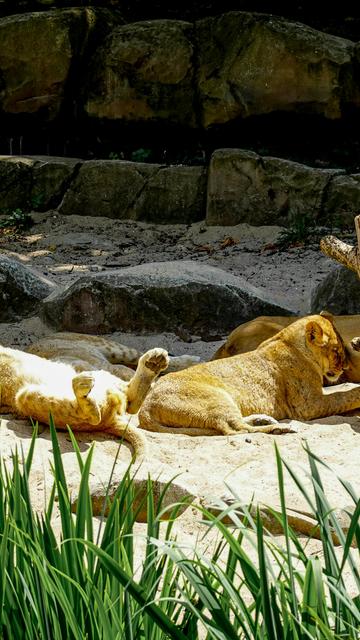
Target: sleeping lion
<point x="250" y="335"/>
<point x="282" y="378"/>
<point x="84" y="397"/>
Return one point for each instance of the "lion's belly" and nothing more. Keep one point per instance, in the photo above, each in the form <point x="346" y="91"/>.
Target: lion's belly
<point x="18" y="370"/>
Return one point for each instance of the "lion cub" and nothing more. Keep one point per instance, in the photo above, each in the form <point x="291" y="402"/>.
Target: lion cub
<point x="32" y="386"/>
<point x="283" y="378"/>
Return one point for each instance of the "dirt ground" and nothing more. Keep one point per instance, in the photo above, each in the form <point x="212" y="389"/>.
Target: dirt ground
<point x="65" y="247"/>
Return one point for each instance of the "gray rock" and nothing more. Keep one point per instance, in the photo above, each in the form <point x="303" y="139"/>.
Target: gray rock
<point x="50" y="178"/>
<point x="21" y="290"/>
<point x="144" y="72"/>
<point x="339" y="293"/>
<point x="15" y="182"/>
<point x="37" y="52"/>
<point x="137" y="191"/>
<point x="342" y="200"/>
<point x="167" y="491"/>
<point x="252" y="64"/>
<point x="246" y="187"/>
<point x="33" y="182"/>
<point x="181" y="297"/>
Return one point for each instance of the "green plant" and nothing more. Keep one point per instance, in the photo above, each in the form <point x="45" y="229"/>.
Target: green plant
<point x="141" y="155"/>
<point x="300" y="231"/>
<point x="79" y="587"/>
<point x="113" y="155"/>
<point x="36" y="201"/>
<point x="84" y="587"/>
<point x="288" y="592"/>
<point x="18" y="219"/>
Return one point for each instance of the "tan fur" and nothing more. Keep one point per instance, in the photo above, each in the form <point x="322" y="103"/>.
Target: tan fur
<point x="250" y="335"/>
<point x="32" y="386"/>
<point x="283" y="378"/>
<point x="87" y="352"/>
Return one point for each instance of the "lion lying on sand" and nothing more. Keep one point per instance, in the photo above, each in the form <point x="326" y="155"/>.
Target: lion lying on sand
<point x="283" y="378"/>
<point x="94" y="399"/>
<point x="86" y="352"/>
<point x="250" y="335"/>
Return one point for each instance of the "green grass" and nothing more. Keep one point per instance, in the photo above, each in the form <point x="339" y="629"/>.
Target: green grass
<point x="82" y="587"/>
<point x="18" y="219"/>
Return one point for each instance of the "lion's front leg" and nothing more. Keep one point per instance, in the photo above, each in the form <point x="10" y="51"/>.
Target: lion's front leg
<point x="331" y="402"/>
<point x="150" y="365"/>
<point x="38" y="401"/>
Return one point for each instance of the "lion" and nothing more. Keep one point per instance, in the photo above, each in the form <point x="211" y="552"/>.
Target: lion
<point x="250" y="335"/>
<point x="93" y="399"/>
<point x="282" y="378"/>
<point x="88" y="352"/>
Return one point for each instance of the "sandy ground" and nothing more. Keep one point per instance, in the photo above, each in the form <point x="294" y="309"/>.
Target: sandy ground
<point x="66" y="247"/>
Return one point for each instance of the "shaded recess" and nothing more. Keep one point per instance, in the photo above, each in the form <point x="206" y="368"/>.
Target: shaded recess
<point x="312" y="140"/>
<point x="303" y="137"/>
<point x="341" y="19"/>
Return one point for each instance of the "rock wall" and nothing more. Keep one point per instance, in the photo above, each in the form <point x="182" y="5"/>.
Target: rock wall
<point x="90" y="81"/>
<point x="237" y="186"/>
<point x="179" y="117"/>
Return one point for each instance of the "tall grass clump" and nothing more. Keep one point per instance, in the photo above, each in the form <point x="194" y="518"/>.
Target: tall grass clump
<point x="80" y="586"/>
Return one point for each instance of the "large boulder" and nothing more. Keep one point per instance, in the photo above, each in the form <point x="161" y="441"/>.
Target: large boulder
<point x="246" y="187"/>
<point x="15" y="182"/>
<point x="36" y="55"/>
<point x="21" y="290"/>
<point x="181" y="297"/>
<point x="50" y="179"/>
<point x="342" y="200"/>
<point x="36" y="182"/>
<point x="251" y="64"/>
<point x="339" y="293"/>
<point x="144" y="71"/>
<point x="137" y="191"/>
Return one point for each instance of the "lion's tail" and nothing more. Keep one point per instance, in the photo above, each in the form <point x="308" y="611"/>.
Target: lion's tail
<point x="132" y="435"/>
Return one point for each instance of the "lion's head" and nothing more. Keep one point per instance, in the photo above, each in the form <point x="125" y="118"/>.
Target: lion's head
<point x="323" y="337"/>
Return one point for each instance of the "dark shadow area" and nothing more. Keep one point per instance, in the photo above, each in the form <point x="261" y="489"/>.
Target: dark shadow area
<point x="308" y="139"/>
<point x="342" y="19"/>
<point x="24" y="429"/>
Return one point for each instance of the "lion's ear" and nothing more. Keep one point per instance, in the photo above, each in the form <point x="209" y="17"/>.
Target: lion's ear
<point x="315" y="335"/>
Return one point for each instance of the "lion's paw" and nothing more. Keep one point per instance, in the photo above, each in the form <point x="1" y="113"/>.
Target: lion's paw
<point x="259" y="419"/>
<point x="82" y="384"/>
<point x="156" y="360"/>
<point x="284" y="428"/>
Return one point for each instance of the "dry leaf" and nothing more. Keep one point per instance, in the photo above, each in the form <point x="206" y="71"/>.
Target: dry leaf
<point x="228" y="242"/>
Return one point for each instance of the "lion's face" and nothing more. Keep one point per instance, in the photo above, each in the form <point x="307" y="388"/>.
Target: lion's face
<point x="323" y="337"/>
<point x="334" y="362"/>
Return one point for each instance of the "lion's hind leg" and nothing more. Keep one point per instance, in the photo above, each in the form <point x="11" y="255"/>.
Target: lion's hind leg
<point x="72" y="407"/>
<point x="150" y="365"/>
<point x="212" y="410"/>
